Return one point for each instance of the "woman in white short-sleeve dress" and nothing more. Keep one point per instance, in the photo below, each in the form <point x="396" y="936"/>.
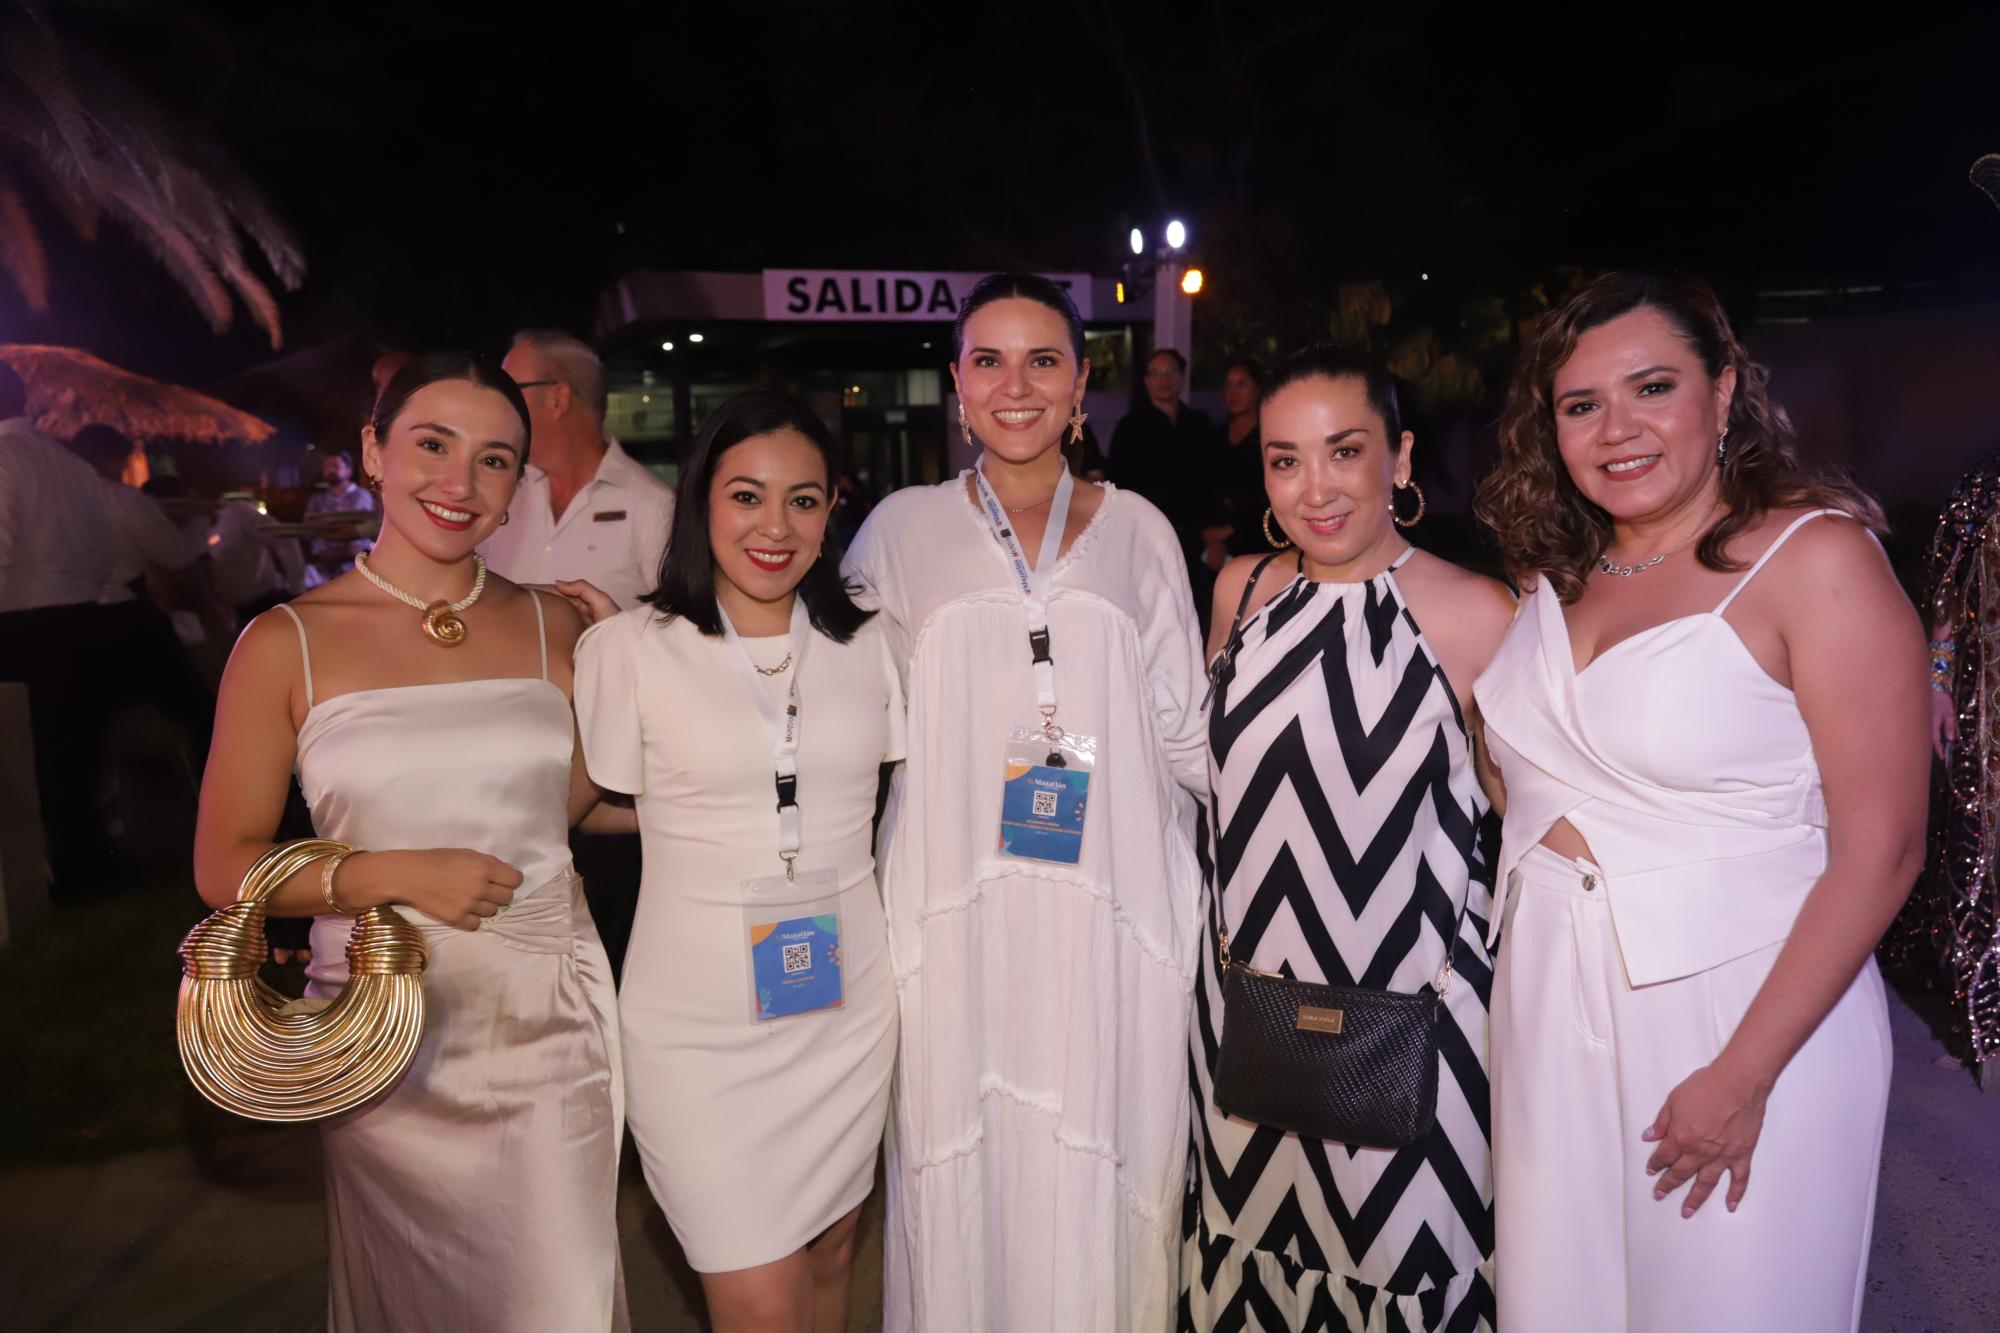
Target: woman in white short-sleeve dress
<point x="759" y="1136"/>
<point x="1039" y="1153"/>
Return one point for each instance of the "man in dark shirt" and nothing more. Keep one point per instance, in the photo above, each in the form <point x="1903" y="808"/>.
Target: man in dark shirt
<point x="1165" y="451"/>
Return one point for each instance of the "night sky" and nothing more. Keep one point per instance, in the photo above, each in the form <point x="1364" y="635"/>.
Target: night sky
<point x="456" y="172"/>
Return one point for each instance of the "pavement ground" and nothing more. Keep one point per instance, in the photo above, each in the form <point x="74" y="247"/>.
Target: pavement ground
<point x="228" y="1233"/>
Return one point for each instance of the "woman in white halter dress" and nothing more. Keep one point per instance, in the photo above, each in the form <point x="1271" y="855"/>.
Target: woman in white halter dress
<point x="479" y="1193"/>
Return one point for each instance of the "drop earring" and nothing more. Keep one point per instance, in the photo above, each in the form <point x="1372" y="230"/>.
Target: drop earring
<point x="1076" y="419"/>
<point x="1722" y="447"/>
<point x="965" y="427"/>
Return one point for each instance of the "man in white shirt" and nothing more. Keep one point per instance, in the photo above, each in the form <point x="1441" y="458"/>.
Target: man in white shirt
<point x="70" y="627"/>
<point x="584" y="509"/>
<point x="67" y="534"/>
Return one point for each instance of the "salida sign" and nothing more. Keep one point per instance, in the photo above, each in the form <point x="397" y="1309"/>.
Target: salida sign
<point x="870" y="295"/>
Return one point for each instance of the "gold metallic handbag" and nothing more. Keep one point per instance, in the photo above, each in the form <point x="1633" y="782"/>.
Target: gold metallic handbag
<point x="251" y="1050"/>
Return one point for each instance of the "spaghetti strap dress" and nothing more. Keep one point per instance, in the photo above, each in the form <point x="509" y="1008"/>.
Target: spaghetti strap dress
<point x="1690" y="774"/>
<point x="479" y="1193"/>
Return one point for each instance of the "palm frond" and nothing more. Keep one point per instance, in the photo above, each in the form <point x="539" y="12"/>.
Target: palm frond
<point x="21" y="253"/>
<point x="96" y="144"/>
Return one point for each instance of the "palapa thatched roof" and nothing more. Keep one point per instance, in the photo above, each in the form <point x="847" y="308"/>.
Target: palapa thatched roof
<point x="68" y="389"/>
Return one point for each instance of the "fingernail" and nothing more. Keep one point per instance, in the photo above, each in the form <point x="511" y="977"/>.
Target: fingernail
<point x="1687" y="1212"/>
<point x="1731" y="1207"/>
<point x="1659" y="1194"/>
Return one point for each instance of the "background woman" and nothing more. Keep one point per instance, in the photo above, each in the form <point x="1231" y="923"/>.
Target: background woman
<point x="1949" y="932"/>
<point x="1041" y="1114"/>
<point x="758" y="1120"/>
<point x="1348" y="834"/>
<point x="1235" y="518"/>
<point x="480" y="1192"/>
<point x="1710" y="721"/>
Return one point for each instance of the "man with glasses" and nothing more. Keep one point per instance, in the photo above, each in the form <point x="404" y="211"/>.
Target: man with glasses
<point x="584" y="509"/>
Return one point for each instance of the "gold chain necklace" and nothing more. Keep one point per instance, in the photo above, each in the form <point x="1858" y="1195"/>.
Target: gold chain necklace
<point x="441" y="623"/>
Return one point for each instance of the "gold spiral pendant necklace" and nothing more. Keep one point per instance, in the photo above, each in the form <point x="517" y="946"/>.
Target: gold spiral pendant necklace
<point x="441" y="622"/>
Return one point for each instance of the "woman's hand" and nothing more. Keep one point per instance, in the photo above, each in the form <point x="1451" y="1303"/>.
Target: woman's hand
<point x="1709" y="1125"/>
<point x="1944" y="722"/>
<point x="589" y="600"/>
<point x="454" y="885"/>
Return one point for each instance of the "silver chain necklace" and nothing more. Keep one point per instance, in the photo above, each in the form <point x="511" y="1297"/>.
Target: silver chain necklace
<point x="1627" y="571"/>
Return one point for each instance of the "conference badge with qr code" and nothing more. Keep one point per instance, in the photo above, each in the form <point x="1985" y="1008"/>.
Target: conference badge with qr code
<point x="791" y="931"/>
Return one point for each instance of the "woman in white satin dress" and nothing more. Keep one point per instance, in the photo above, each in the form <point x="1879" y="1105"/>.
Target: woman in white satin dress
<point x="759" y="1130"/>
<point x="479" y="1193"/>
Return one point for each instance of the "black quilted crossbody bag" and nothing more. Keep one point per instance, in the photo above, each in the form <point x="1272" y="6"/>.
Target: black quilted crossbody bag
<point x="1346" y="1064"/>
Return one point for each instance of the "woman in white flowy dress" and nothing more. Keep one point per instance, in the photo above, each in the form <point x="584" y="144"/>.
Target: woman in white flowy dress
<point x="1039" y="1139"/>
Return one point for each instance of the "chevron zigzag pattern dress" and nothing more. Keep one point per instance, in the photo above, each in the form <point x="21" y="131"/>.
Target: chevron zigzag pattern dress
<point x="1345" y="826"/>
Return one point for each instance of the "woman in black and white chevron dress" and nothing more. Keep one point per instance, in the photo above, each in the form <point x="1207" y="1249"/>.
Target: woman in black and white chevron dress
<point x="1346" y="828"/>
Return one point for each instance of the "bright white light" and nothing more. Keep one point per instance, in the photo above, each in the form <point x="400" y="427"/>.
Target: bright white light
<point x="1138" y="241"/>
<point x="261" y="509"/>
<point x="694" y="337"/>
<point x="645" y="397"/>
<point x="1426" y="277"/>
<point x="1176" y="234"/>
<point x="666" y="347"/>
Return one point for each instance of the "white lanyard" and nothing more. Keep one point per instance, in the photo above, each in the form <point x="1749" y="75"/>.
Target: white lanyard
<point x="784" y="727"/>
<point x="1033" y="584"/>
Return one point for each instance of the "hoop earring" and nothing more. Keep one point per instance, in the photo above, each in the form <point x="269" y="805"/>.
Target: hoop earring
<point x="1278" y="540"/>
<point x="1722" y="448"/>
<point x="1076" y="419"/>
<point x="506" y="517"/>
<point x="964" y="427"/>
<point x="1413" y="519"/>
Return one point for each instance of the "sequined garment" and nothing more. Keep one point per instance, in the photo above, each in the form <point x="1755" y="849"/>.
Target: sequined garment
<point x="1950" y="930"/>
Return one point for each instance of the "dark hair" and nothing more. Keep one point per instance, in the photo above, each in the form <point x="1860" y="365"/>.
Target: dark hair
<point x="13" y="393"/>
<point x="99" y="444"/>
<point x="1026" y="286"/>
<point x="1325" y="361"/>
<point x="687" y="573"/>
<point x="1250" y="366"/>
<point x="1546" y="527"/>
<point x="428" y="368"/>
<point x="167" y="486"/>
<point x="1172" y="353"/>
<point x="343" y="455"/>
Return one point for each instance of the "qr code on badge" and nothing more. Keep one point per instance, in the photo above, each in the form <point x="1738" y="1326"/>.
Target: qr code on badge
<point x="1045" y="805"/>
<point x="798" y="957"/>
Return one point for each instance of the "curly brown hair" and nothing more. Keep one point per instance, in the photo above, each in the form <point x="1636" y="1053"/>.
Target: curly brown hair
<point x="1545" y="526"/>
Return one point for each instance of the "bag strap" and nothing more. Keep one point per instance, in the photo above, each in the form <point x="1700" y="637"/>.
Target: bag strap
<point x="1227" y="656"/>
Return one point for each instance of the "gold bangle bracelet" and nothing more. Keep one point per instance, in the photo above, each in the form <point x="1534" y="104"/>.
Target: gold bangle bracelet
<point x="331" y="864"/>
